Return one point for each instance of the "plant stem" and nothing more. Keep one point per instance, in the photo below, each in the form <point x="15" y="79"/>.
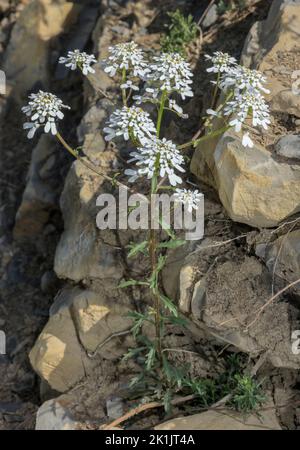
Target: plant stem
<point x="161" y="112"/>
<point x="205" y="137"/>
<point x="152" y="238"/>
<point x="216" y="90"/>
<point x="156" y="297"/>
<point x="93" y="168"/>
<point x="153" y="260"/>
<point x="124" y="96"/>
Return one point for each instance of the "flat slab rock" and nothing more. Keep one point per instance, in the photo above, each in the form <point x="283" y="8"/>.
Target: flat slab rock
<point x="223" y="420"/>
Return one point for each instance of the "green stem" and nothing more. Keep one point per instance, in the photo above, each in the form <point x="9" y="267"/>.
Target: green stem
<point x="161" y="112"/>
<point x="216" y="91"/>
<point x="205" y="137"/>
<point x="153" y="259"/>
<point x="124" y="96"/>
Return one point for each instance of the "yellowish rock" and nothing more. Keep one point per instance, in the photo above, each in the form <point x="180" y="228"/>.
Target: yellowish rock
<point x="223" y="420"/>
<point x="27" y="54"/>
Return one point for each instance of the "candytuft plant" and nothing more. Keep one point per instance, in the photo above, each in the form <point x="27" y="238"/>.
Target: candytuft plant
<point x="181" y="32"/>
<point x="161" y="81"/>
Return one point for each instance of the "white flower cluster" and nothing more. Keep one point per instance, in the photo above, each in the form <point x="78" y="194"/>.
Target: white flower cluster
<point x="81" y="60"/>
<point x="44" y="109"/>
<point x="126" y="56"/>
<point x="188" y="197"/>
<point x="157" y="153"/>
<point x="131" y="123"/>
<point x="171" y="73"/>
<point x="241" y="78"/>
<point x="221" y="62"/>
<point x="245" y="105"/>
<point x="245" y="87"/>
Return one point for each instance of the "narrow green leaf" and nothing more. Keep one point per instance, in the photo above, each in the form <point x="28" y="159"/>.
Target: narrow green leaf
<point x="125" y="284"/>
<point x="150" y="358"/>
<point x="168" y="304"/>
<point x="174" y="243"/>
<point x="137" y="248"/>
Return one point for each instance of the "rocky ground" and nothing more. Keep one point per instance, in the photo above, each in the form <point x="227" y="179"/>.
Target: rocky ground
<point x="54" y="259"/>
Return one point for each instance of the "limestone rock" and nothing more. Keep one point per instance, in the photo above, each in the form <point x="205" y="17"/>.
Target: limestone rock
<point x="223" y="420"/>
<point x="211" y="17"/>
<point x="52" y="415"/>
<point x="41" y="192"/>
<point x="79" y="322"/>
<point x="83" y="251"/>
<point x="289" y="146"/>
<point x="27" y="55"/>
<point x="57" y="356"/>
<point x="270" y="47"/>
<point x="285" y="253"/>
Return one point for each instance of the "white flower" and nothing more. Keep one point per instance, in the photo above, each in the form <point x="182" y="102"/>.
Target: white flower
<point x="126" y="56"/>
<point x="130" y="122"/>
<point x="44" y="109"/>
<point x="81" y="60"/>
<point x="188" y="197"/>
<point x="171" y="73"/>
<point x="247" y="141"/>
<point x="248" y="106"/>
<point x="222" y="62"/>
<point x="150" y="95"/>
<point x="129" y="85"/>
<point x="157" y="154"/>
<point x="243" y="79"/>
<point x="212" y="112"/>
<point x="179" y="111"/>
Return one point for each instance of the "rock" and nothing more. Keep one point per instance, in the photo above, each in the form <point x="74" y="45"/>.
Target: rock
<point x="285" y="252"/>
<point x="10" y="407"/>
<point x="40" y="196"/>
<point x="114" y="407"/>
<point x="225" y="304"/>
<point x="49" y="282"/>
<point x="52" y="415"/>
<point x="4" y="4"/>
<point x="57" y="355"/>
<point x="26" y="59"/>
<point x="80" y="321"/>
<point x="289" y="146"/>
<point x="223" y="420"/>
<point x="83" y="251"/>
<point x="256" y="188"/>
<point x="211" y="17"/>
<point x="270" y="46"/>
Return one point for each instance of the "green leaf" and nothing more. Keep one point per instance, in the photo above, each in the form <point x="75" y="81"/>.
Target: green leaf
<point x="178" y="321"/>
<point x="167" y="401"/>
<point x="132" y="282"/>
<point x="174" y="243"/>
<point x="166" y="228"/>
<point x="160" y="263"/>
<point x="150" y="358"/>
<point x="138" y="319"/>
<point x="168" y="304"/>
<point x="137" y="248"/>
<point x="132" y="352"/>
<point x="136" y="380"/>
